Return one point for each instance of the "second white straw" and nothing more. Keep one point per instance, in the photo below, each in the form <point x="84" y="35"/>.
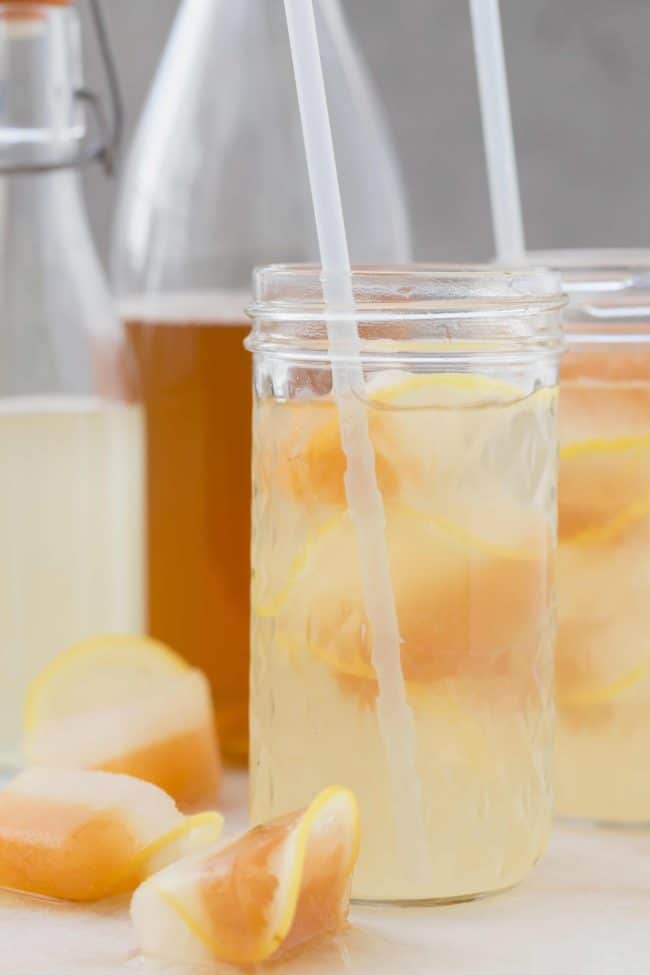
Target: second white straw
<point x="497" y="131"/>
<point x="395" y="719"/>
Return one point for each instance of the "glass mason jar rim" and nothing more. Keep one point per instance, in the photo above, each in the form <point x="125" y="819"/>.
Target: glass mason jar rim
<point x="608" y="291"/>
<point x="415" y="310"/>
<point x="436" y="290"/>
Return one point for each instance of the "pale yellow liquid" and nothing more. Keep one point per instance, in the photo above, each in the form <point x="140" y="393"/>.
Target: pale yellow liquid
<point x="71" y="536"/>
<point x="603" y="650"/>
<point x="467" y="475"/>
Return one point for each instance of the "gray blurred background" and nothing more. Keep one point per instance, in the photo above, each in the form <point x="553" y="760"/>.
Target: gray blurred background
<point x="579" y="73"/>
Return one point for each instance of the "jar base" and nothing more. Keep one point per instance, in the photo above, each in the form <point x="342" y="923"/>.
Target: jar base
<point x="425" y="902"/>
<point x="597" y="822"/>
<point x="405" y="902"/>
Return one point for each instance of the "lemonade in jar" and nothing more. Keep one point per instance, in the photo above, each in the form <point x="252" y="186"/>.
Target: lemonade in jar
<point x="460" y="369"/>
<point x="603" y="647"/>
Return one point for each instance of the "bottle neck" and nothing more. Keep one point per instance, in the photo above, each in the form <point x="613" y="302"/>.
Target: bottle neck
<point x="41" y="118"/>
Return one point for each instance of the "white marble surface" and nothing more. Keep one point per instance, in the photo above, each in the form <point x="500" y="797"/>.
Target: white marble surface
<point x="585" y="910"/>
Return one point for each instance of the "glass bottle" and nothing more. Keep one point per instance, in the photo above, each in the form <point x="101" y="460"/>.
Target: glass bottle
<point x="71" y="437"/>
<point x="216" y="184"/>
<point x="461" y="370"/>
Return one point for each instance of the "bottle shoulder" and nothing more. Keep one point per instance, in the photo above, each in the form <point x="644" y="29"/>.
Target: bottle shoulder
<point x="59" y="325"/>
<point x="216" y="181"/>
<point x="52" y="263"/>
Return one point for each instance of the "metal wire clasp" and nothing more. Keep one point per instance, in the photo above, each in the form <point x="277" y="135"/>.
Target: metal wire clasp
<point x="104" y="146"/>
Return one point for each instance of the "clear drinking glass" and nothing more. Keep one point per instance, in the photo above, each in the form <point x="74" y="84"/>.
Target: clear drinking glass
<point x="460" y="372"/>
<point x="603" y="647"/>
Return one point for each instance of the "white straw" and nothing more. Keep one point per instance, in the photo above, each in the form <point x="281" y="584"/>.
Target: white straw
<point x="394" y="715"/>
<point x="497" y="130"/>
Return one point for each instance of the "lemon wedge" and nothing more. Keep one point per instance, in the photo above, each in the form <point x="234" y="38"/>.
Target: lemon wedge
<point x="126" y="704"/>
<point x="276" y="887"/>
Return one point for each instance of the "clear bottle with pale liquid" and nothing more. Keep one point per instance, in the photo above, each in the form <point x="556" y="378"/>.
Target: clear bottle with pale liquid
<point x="71" y="431"/>
<point x="216" y="184"/>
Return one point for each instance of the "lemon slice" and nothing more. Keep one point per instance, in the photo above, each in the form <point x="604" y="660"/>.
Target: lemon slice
<point x="268" y="602"/>
<point x="96" y="672"/>
<point x="603" y="487"/>
<point x="602" y="445"/>
<point x="273" y="889"/>
<point x="127" y="704"/>
<point x="268" y="599"/>
<point x="466" y="604"/>
<point x="589" y="696"/>
<point x="189" y="835"/>
<point x="459" y="389"/>
<point x="417" y="424"/>
<point x="613" y="527"/>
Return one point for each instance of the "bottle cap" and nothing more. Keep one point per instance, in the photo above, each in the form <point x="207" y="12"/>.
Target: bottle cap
<point x="29" y="9"/>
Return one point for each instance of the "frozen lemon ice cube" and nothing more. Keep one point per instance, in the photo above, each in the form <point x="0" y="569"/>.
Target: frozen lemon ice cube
<point x="467" y="604"/>
<point x="418" y="424"/>
<point x="276" y="887"/>
<point x="128" y="705"/>
<point x="81" y="836"/>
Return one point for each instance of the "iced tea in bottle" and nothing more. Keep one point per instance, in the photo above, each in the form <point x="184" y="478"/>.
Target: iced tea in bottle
<point x="216" y="184"/>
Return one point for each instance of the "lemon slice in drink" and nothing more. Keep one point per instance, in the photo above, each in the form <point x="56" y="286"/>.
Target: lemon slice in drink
<point x="126" y="704"/>
<point x="604" y="487"/>
<point x="467" y="604"/>
<point x="276" y="887"/>
<point x="416" y="422"/>
<point x="588" y="696"/>
<point x="459" y="389"/>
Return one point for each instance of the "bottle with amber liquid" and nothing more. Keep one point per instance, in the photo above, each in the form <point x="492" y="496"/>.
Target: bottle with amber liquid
<point x="216" y="183"/>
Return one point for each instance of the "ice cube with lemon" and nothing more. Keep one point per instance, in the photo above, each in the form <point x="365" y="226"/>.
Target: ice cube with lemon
<point x="127" y="704"/>
<point x="79" y="835"/>
<point x="259" y="896"/>
<point x="465" y="464"/>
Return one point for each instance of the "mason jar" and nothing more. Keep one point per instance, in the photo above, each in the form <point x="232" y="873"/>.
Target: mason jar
<point x="603" y="647"/>
<point x="458" y="385"/>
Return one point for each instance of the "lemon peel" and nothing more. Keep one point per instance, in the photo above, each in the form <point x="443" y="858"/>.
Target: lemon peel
<point x="107" y="643"/>
<point x="603" y="694"/>
<point x="131" y="874"/>
<point x="612" y="527"/>
<point x="602" y="445"/>
<point x="334" y="804"/>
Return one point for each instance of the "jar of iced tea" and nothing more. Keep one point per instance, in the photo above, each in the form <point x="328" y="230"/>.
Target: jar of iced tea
<point x="603" y="647"/>
<point x="459" y="387"/>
